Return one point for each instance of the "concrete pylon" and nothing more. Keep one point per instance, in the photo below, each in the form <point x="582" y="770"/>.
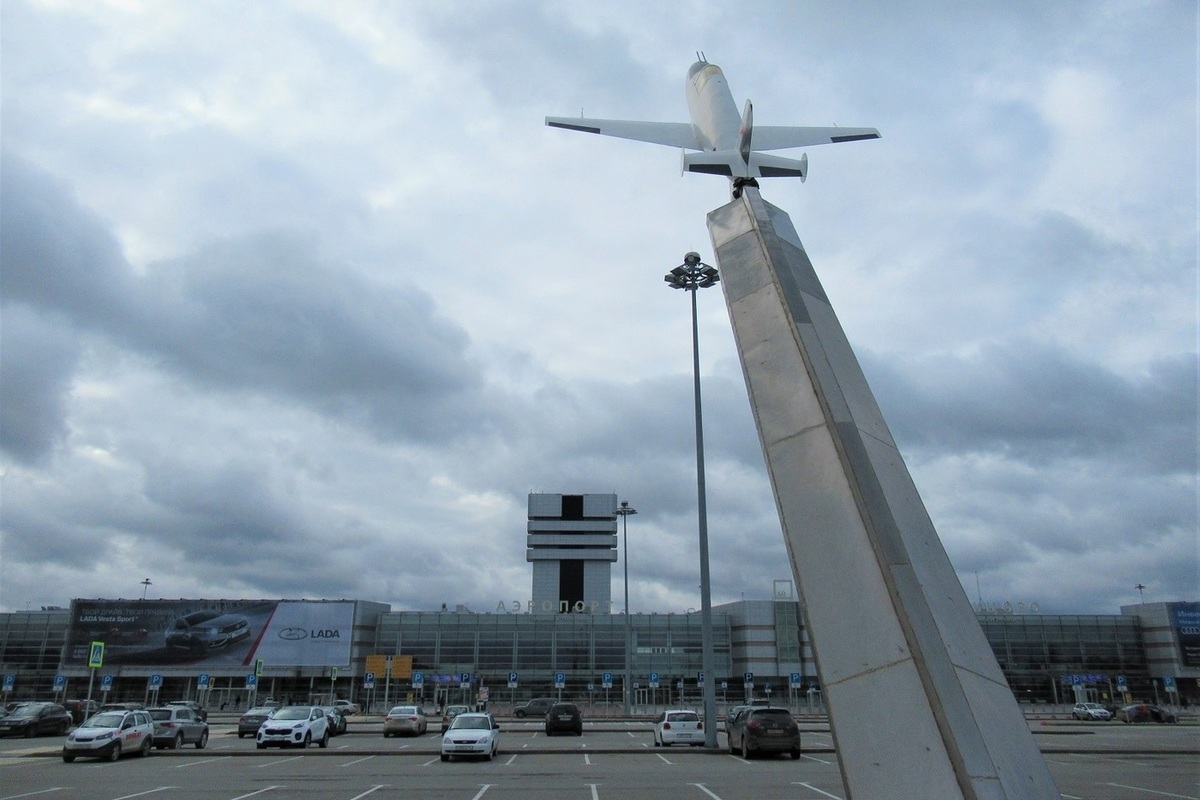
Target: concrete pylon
<point x="917" y="704"/>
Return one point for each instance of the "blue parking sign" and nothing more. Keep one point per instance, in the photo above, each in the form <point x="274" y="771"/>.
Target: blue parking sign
<point x="560" y="680"/>
<point x="606" y="680"/>
<point x="653" y="680"/>
<point x="106" y="683"/>
<point x="60" y="682"/>
<point x="512" y="680"/>
<point x="9" y="682"/>
<point x="795" y="680"/>
<point x="202" y="681"/>
<point x="418" y="679"/>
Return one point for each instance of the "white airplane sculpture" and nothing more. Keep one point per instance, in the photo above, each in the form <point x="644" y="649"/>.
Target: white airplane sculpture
<point x="728" y="145"/>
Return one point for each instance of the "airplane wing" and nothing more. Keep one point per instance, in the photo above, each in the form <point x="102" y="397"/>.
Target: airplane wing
<point x="778" y="137"/>
<point x="672" y="134"/>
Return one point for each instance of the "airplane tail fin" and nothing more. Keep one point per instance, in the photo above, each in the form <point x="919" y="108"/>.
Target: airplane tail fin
<point x="745" y="131"/>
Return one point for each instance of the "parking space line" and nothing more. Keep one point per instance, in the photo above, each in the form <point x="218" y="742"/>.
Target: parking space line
<point x="34" y="794"/>
<point x="431" y="761"/>
<point x="1153" y="791"/>
<point x="587" y="759"/>
<point x="814" y="758"/>
<point x="260" y="791"/>
<point x="369" y="791"/>
<point x="704" y="789"/>
<point x="595" y="794"/>
<point x="812" y="788"/>
<point x="664" y="758"/>
<point x="148" y="791"/>
<point x="273" y="763"/>
<point x="511" y="759"/>
<point x="191" y="763"/>
<point x="356" y="761"/>
<point x="486" y="786"/>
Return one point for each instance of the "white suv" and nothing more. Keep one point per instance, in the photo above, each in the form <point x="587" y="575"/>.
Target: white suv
<point x="294" y="726"/>
<point x="109" y="734"/>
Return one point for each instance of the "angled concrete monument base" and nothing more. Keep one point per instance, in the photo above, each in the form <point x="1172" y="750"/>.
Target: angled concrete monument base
<point x="918" y="705"/>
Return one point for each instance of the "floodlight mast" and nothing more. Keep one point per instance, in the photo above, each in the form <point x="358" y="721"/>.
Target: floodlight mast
<point x="693" y="274"/>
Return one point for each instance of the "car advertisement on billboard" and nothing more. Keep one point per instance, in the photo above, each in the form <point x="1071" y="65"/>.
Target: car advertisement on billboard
<point x="211" y="632"/>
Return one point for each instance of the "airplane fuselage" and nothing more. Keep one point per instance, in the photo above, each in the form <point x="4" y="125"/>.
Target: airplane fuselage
<point x="711" y="105"/>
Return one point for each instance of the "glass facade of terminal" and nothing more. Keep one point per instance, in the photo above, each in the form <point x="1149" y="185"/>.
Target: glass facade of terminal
<point x="537" y="646"/>
<point x="1044" y="657"/>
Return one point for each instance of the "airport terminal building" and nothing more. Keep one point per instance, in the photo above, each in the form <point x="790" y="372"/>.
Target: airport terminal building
<point x="564" y="640"/>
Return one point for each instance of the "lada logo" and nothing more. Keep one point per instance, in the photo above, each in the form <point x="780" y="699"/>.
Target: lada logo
<point x="293" y="634"/>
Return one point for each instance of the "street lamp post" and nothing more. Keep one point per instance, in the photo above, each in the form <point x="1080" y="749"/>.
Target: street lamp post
<point x="145" y="585"/>
<point x="690" y="276"/>
<point x="627" y="687"/>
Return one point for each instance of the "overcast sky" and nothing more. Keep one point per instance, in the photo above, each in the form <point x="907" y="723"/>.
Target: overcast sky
<point x="302" y="299"/>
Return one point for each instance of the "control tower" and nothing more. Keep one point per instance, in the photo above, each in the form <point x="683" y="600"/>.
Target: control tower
<point x="572" y="545"/>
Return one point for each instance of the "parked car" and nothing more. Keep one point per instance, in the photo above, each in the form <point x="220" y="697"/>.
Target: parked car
<point x="347" y="708"/>
<point x="537" y="707"/>
<point x="81" y="709"/>
<point x="564" y="717"/>
<point x="472" y="734"/>
<point x="175" y="726"/>
<point x="109" y="734"/>
<point x="36" y="719"/>
<point x="336" y="720"/>
<point x="294" y="726"/>
<point x="122" y="707"/>
<point x="206" y="630"/>
<point x="1146" y="712"/>
<point x="1090" y="711"/>
<point x="678" y="726"/>
<point x="406" y="720"/>
<point x="763" y="730"/>
<point x="449" y="713"/>
<point x="731" y="713"/>
<point x="252" y="720"/>
<point x="200" y="711"/>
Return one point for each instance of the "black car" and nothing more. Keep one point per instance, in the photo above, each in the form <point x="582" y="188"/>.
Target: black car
<point x="36" y="719"/>
<point x="1146" y="712"/>
<point x="763" y="730"/>
<point x="564" y="717"/>
<point x="249" y="722"/>
<point x="537" y="707"/>
<point x="202" y="631"/>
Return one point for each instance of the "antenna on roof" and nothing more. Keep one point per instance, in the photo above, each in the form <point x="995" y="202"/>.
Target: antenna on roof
<point x="700" y="56"/>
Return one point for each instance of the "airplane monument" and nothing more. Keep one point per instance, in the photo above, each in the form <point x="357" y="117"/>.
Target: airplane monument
<point x="918" y="705"/>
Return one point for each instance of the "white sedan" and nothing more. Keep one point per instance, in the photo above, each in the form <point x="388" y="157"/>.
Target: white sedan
<point x="678" y="727"/>
<point x="1086" y="711"/>
<point x="294" y="726"/>
<point x="471" y="734"/>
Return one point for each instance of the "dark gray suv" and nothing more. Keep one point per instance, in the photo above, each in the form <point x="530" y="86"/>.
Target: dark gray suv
<point x="537" y="707"/>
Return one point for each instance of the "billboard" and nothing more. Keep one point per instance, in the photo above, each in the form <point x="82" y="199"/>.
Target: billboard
<point x="211" y="633"/>
<point x="1185" y="622"/>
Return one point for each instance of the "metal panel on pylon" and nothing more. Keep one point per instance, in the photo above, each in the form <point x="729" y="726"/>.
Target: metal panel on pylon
<point x="890" y="624"/>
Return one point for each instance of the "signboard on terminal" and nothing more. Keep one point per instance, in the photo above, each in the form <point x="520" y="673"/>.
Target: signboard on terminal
<point x="151" y="633"/>
<point x="1185" y="623"/>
